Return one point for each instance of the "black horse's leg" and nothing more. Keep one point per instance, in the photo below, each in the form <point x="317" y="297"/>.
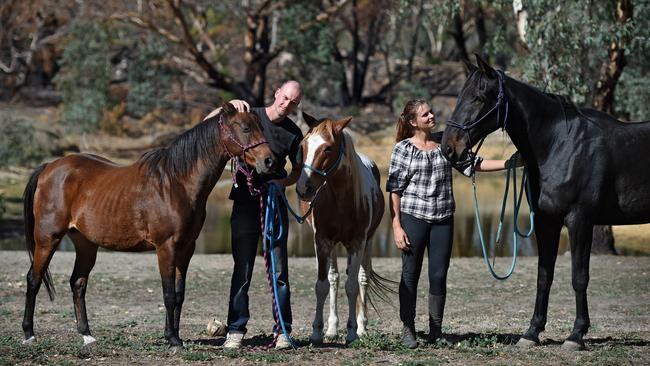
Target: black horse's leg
<point x="183" y="262"/>
<point x="86" y="253"/>
<point x="168" y="277"/>
<point x="580" y="235"/>
<point x="43" y="252"/>
<point x="547" y="231"/>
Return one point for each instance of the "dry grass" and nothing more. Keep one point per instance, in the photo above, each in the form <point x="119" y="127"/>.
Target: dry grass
<point x="483" y="317"/>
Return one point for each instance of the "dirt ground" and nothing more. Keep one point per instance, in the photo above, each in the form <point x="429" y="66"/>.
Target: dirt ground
<point x="483" y="320"/>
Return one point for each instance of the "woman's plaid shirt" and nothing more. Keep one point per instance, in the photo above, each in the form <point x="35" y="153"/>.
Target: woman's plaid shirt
<point x="424" y="180"/>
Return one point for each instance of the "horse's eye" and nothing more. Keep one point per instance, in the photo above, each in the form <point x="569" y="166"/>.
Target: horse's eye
<point x="245" y="128"/>
<point x="328" y="149"/>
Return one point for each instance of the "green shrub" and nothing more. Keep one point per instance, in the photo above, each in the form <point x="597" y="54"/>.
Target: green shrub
<point x="406" y="91"/>
<point x="148" y="77"/>
<point x="18" y="143"/>
<point x="85" y="77"/>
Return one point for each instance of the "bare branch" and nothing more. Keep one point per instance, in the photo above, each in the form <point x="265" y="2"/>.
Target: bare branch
<point x="200" y="27"/>
<point x="137" y="20"/>
<point x="324" y="16"/>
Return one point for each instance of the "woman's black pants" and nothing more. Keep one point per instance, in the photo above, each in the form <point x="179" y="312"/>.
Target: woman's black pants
<point x="437" y="239"/>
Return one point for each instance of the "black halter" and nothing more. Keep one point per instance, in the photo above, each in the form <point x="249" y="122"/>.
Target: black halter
<point x="502" y="102"/>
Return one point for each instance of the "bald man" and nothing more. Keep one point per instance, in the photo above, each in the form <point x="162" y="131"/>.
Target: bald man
<point x="283" y="137"/>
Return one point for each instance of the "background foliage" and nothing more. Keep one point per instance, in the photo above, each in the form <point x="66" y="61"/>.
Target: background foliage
<point x="18" y="143"/>
<point x="169" y="54"/>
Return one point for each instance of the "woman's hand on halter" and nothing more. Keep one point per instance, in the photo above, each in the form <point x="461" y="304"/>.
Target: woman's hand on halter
<point x="401" y="239"/>
<point x="519" y="160"/>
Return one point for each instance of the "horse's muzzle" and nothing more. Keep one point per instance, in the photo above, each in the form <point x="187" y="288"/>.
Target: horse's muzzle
<point x="265" y="166"/>
<point x="306" y="190"/>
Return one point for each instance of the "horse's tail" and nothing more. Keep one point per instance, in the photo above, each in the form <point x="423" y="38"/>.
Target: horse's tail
<point x="378" y="286"/>
<point x="28" y="214"/>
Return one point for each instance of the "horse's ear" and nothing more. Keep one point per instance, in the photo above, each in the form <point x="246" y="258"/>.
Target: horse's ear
<point x="340" y="124"/>
<point x="309" y="120"/>
<point x="228" y="109"/>
<point x="485" y="68"/>
<point x="469" y="67"/>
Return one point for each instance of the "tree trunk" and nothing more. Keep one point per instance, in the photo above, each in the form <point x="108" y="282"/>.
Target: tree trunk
<point x="603" y="240"/>
<point x="414" y="41"/>
<point x="459" y="37"/>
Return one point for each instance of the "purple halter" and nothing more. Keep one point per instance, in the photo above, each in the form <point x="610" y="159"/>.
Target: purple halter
<point x="237" y="166"/>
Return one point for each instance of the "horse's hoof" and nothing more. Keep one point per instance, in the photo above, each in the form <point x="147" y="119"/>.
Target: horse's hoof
<point x="572" y="346"/>
<point x="349" y="339"/>
<point x="175" y="342"/>
<point x="89" y="340"/>
<point x="30" y="340"/>
<point x="526" y="343"/>
<point x="316" y="338"/>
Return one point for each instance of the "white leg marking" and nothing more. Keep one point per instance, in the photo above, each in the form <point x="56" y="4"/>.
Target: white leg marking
<point x="89" y="340"/>
<point x="333" y="276"/>
<point x="362" y="320"/>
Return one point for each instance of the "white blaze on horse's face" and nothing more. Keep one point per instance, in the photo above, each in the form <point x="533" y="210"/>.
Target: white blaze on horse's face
<point x="305" y="186"/>
<point x="313" y="145"/>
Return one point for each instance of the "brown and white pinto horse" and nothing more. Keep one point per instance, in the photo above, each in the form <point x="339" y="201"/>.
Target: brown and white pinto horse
<point x="348" y="204"/>
<point x="157" y="203"/>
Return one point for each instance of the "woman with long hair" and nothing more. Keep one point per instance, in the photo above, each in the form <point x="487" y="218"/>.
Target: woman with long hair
<point x="422" y="212"/>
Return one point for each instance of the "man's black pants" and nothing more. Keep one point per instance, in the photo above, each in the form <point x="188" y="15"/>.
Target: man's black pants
<point x="246" y="233"/>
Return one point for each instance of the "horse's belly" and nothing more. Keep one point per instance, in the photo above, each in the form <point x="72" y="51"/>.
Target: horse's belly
<point x="115" y="238"/>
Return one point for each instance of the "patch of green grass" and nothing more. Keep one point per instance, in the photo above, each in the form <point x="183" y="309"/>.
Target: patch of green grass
<point x="486" y="344"/>
<point x="190" y="355"/>
<point x="148" y="343"/>
<point x="359" y="359"/>
<point x="42" y="351"/>
<point x="231" y="353"/>
<point x="127" y="324"/>
<point x="609" y="355"/>
<point x="425" y="362"/>
<point x="266" y="357"/>
<point x="378" y="342"/>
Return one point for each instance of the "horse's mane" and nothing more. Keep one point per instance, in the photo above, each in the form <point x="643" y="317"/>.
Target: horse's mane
<point x="180" y="156"/>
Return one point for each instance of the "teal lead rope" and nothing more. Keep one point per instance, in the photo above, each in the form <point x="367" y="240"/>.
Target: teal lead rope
<point x="269" y="238"/>
<point x="516" y="206"/>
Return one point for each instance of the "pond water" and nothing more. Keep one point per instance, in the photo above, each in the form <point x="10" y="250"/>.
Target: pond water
<point x="215" y="236"/>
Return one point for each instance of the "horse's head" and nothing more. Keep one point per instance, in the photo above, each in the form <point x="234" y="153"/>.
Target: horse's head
<point x="481" y="108"/>
<point x="321" y="153"/>
<point x="243" y="137"/>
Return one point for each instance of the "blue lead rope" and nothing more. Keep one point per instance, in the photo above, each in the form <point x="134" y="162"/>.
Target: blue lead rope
<point x="516" y="206"/>
<point x="268" y="239"/>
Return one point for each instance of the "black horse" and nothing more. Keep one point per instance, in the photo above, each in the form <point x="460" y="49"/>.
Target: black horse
<point x="586" y="168"/>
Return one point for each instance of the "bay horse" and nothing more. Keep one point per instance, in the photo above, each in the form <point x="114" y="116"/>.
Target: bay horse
<point x="346" y="206"/>
<point x="585" y="170"/>
<point x="157" y="203"/>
